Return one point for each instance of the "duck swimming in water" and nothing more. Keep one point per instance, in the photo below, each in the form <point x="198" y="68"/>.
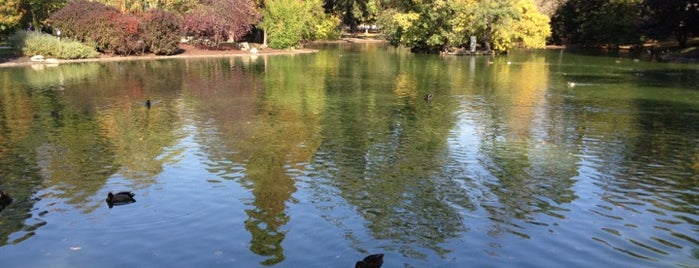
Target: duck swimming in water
<point x="428" y="98"/>
<point x="120" y="198"/>
<point x="371" y="261"/>
<point x="5" y="200"/>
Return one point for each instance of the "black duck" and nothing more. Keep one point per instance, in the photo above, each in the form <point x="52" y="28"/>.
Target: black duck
<point x="371" y="261"/>
<point x="5" y="200"/>
<point x="120" y="198"/>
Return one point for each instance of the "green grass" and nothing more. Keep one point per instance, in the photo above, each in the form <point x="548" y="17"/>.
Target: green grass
<point x="35" y="43"/>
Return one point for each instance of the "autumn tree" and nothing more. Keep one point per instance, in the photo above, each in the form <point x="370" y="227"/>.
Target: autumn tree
<point x="438" y="25"/>
<point x="214" y="21"/>
<point x="494" y="21"/>
<point x="176" y="6"/>
<point x="10" y="15"/>
<point x="112" y="31"/>
<point x="161" y="31"/>
<point x="532" y="29"/>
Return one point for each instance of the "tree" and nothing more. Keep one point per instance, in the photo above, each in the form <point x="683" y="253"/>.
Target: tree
<point x="216" y="20"/>
<point x="494" y="20"/>
<point x="41" y="10"/>
<point x="532" y="29"/>
<point x="10" y="15"/>
<point x="120" y="33"/>
<point x="549" y="7"/>
<point x="161" y="31"/>
<point x="284" y="22"/>
<point x="671" y="18"/>
<point x="288" y="23"/>
<point x="352" y="12"/>
<point x="83" y="20"/>
<point x="598" y="22"/>
<point x="177" y="6"/>
<point x="443" y="24"/>
<point x="320" y="25"/>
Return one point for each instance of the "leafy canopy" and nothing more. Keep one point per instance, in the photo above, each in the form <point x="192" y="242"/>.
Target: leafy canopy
<point x="214" y="21"/>
<point x="289" y="22"/>
<point x="439" y="25"/>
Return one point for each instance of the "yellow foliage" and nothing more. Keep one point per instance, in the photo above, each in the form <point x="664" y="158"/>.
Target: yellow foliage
<point x="10" y="14"/>
<point x="405" y="20"/>
<point x="532" y="29"/>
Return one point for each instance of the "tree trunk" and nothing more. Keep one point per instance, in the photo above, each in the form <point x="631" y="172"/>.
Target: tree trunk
<point x="681" y="37"/>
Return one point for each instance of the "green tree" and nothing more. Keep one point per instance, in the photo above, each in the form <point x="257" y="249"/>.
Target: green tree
<point x="598" y="22"/>
<point x="284" y="22"/>
<point x="352" y="12"/>
<point x="672" y="18"/>
<point x="41" y="10"/>
<point x="287" y="23"/>
<point x="320" y="25"/>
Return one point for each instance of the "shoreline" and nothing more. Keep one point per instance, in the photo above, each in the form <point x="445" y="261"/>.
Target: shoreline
<point x="26" y="61"/>
<point x="188" y="51"/>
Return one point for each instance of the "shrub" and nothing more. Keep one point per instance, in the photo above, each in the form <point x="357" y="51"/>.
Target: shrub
<point x="116" y="32"/>
<point x="216" y="20"/>
<point x="36" y="43"/>
<point x="81" y="19"/>
<point x="206" y="28"/>
<point x="161" y="32"/>
<point x="119" y="34"/>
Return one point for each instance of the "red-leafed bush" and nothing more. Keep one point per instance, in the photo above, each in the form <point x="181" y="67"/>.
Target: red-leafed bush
<point x="205" y="26"/>
<point x="121" y="35"/>
<point x="114" y="32"/>
<point x="161" y="32"/>
<point x="81" y="19"/>
<point x="214" y="21"/>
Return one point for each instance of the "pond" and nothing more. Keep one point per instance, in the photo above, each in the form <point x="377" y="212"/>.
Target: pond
<point x="533" y="159"/>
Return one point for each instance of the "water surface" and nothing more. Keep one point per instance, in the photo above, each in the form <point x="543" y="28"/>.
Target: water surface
<point x="534" y="159"/>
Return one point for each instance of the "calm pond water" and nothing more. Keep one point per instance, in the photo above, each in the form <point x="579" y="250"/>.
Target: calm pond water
<point x="534" y="159"/>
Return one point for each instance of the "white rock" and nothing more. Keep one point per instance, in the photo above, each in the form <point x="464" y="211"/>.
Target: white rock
<point x="37" y="58"/>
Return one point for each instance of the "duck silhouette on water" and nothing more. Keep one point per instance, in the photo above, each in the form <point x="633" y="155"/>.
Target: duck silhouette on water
<point x="428" y="98"/>
<point x="120" y="198"/>
<point x="5" y="200"/>
<point x="371" y="261"/>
